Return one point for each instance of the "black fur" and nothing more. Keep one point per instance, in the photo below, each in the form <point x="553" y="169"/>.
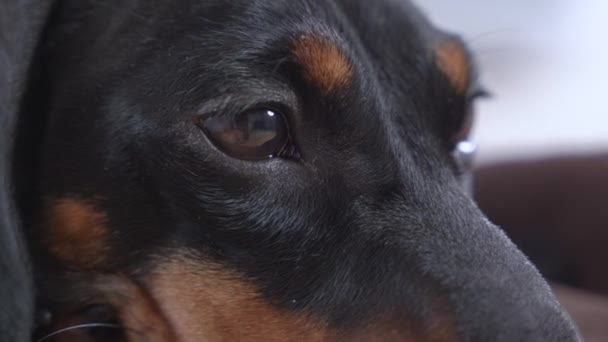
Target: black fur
<point x="371" y="219"/>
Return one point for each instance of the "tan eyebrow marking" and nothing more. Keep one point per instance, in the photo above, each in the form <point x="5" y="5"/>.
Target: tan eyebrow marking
<point x="451" y="58"/>
<point x="75" y="231"/>
<point x="323" y="64"/>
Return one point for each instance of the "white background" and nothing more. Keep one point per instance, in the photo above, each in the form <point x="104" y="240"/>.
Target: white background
<point x="546" y="62"/>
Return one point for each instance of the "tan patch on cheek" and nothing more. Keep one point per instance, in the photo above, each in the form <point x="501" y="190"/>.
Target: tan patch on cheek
<point x="451" y="58"/>
<point x="74" y="232"/>
<point x="322" y="62"/>
<point x="208" y="303"/>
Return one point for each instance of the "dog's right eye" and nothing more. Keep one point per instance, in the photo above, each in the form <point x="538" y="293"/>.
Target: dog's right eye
<point x="255" y="134"/>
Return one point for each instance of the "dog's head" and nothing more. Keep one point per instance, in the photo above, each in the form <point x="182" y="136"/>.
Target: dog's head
<point x="267" y="170"/>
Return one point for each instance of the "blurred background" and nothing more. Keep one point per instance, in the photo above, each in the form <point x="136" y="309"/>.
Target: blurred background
<point x="546" y="62"/>
<point x="542" y="171"/>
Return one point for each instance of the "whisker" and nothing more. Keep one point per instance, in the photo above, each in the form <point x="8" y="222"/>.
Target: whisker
<point x="81" y="326"/>
<point x="491" y="34"/>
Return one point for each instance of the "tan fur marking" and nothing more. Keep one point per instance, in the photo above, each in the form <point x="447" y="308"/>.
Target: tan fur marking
<point x="323" y="64"/>
<point x="205" y="302"/>
<point x="451" y="58"/>
<point x="208" y="303"/>
<point x="75" y="232"/>
<point x="137" y="311"/>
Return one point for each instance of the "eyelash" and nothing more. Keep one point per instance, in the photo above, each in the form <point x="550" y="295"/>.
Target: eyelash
<point x="479" y="93"/>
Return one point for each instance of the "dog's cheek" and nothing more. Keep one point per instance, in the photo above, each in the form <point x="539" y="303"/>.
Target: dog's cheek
<point x="206" y="302"/>
<point x="73" y="230"/>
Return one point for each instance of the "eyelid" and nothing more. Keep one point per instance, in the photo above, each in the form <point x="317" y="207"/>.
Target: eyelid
<point x="228" y="110"/>
<point x="231" y="109"/>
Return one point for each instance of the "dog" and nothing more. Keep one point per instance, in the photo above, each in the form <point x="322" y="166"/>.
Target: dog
<point x="250" y="170"/>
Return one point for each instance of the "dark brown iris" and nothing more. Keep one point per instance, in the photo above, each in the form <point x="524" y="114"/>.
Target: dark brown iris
<point x="256" y="134"/>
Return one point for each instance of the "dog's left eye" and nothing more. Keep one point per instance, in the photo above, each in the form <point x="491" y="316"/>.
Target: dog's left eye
<point x="255" y="134"/>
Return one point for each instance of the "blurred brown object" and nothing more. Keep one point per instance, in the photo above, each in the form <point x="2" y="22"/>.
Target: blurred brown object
<point x="588" y="310"/>
<point x="556" y="211"/>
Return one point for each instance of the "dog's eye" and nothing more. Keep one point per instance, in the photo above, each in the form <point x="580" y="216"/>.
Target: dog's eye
<point x="255" y="134"/>
<point x="465" y="123"/>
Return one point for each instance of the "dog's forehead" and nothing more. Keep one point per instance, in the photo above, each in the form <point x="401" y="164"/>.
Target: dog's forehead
<point x="377" y="49"/>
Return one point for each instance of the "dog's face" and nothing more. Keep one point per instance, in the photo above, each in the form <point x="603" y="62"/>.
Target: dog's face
<point x="268" y="170"/>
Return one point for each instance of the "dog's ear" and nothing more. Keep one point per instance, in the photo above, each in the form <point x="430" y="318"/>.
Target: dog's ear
<point x="21" y="25"/>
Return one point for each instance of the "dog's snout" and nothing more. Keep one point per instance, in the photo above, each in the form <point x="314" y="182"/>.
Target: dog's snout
<point x="499" y="295"/>
<point x="491" y="289"/>
<point x="495" y="292"/>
